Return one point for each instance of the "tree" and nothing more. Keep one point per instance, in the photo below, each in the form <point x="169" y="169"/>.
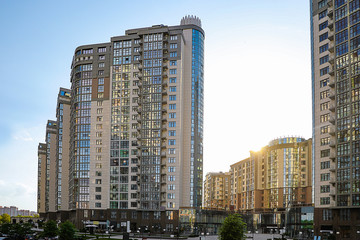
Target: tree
<point x="67" y="231"/>
<point x="16" y="230"/>
<point x="233" y="228"/>
<point x="50" y="229"/>
<point x="5" y="218"/>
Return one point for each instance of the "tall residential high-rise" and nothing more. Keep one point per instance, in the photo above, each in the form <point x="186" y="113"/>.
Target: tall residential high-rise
<point x="130" y="133"/>
<point x="335" y="36"/>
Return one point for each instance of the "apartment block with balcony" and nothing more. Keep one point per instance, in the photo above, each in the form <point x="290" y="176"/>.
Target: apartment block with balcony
<point x="130" y="130"/>
<point x="217" y="191"/>
<point x="335" y="89"/>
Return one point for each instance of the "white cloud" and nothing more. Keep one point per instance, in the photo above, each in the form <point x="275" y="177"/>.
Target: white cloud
<point x="23" y="135"/>
<point x="17" y="194"/>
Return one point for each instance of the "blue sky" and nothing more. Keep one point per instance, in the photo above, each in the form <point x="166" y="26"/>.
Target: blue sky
<point x="257" y="73"/>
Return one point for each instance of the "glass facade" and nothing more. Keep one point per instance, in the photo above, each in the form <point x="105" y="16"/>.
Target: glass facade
<point x="80" y="126"/>
<point x="197" y="106"/>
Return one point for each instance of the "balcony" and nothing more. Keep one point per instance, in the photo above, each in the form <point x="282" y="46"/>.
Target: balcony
<point x="164" y="83"/>
<point x="332" y="130"/>
<point x="332" y="107"/>
<point x="332" y="143"/>
<point x="332" y="192"/>
<point x="332" y="82"/>
<point x="332" y="120"/>
<point x="164" y="75"/>
<point x="330" y="3"/>
<point x="163" y="154"/>
<point x="164" y="101"/>
<point x="164" y="110"/>
<point x="331" y="47"/>
<point x="164" y="92"/>
<point x="165" y="38"/>
<point x="140" y="66"/>
<point x="332" y="156"/>
<point x="331" y="72"/>
<point x="331" y="36"/>
<point x="332" y="95"/>
<point x="331" y="14"/>
<point x="332" y="169"/>
<point x="333" y="180"/>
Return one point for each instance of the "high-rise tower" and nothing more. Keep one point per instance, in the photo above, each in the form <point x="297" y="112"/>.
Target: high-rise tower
<point x="335" y="36"/>
<point x="136" y="124"/>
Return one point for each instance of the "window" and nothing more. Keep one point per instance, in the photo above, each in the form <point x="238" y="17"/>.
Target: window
<point x="323" y="48"/>
<point x="173" y="45"/>
<point x="173" y="54"/>
<point x="172" y="124"/>
<point x="322" y="3"/>
<point x="323" y="25"/>
<point x="98" y="205"/>
<point x="171" y="196"/>
<point x="323" y="37"/>
<point x="101" y="88"/>
<point x="172" y="115"/>
<point x="171" y="160"/>
<point x="171" y="178"/>
<point x="172" y="71"/>
<point x="171" y="169"/>
<point x="101" y="81"/>
<point x="324" y="94"/>
<point x="324" y="118"/>
<point x="172" y="97"/>
<point x="322" y="14"/>
<point x="171" y="150"/>
<point x="324" y="106"/>
<point x="325" y="165"/>
<point x="325" y="153"/>
<point x="324" y="129"/>
<point x="325" y="176"/>
<point x="97" y="189"/>
<point x="324" y="59"/>
<point x="172" y="142"/>
<point x="173" y="63"/>
<point x="342" y="49"/>
<point x="325" y="141"/>
<point x="327" y="214"/>
<point x="101" y="65"/>
<point x="172" y="89"/>
<point x="341" y="37"/>
<point x="98" y="197"/>
<point x="88" y="51"/>
<point x="324" y="200"/>
<point x="341" y="24"/>
<point x="101" y="72"/>
<point x="101" y="49"/>
<point x="172" y="106"/>
<point x="324" y="83"/>
<point x="324" y="71"/>
<point x="172" y="133"/>
<point x="173" y="37"/>
<point x="102" y="57"/>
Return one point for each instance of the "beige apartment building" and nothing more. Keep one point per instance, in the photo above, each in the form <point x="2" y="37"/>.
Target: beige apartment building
<point x="217" y="191"/>
<point x="129" y="132"/>
<point x="335" y="38"/>
<point x="277" y="177"/>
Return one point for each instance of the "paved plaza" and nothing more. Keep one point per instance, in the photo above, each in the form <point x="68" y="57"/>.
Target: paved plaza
<point x="213" y="237"/>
